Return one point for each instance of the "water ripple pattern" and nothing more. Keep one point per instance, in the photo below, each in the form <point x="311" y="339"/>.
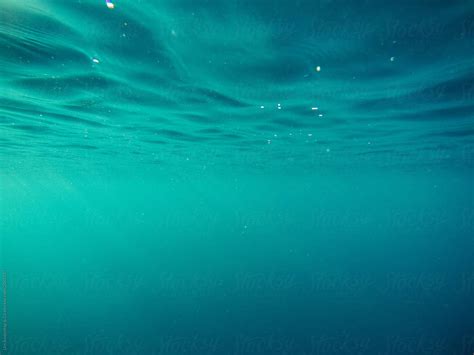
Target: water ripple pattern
<point x="237" y="82"/>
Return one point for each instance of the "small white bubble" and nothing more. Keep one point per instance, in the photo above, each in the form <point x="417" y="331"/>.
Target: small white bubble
<point x="320" y="115"/>
<point x="314" y="108"/>
<point x="262" y="106"/>
<point x="95" y="60"/>
<point x="392" y="59"/>
<point x="318" y="68"/>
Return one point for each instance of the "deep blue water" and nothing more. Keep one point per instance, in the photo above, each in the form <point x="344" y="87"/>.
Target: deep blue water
<point x="237" y="177"/>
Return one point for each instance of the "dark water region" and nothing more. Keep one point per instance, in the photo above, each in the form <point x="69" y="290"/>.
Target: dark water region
<point x="237" y="177"/>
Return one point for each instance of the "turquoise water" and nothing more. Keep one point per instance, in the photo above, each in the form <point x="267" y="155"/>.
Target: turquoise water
<point x="237" y="177"/>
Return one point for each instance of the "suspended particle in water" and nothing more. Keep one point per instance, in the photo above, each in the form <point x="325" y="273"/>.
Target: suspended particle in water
<point x="95" y="60"/>
<point x="318" y="68"/>
<point x="109" y="4"/>
<point x="392" y="59"/>
<point x="314" y="108"/>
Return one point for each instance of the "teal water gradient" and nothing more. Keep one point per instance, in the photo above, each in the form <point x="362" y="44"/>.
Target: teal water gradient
<point x="167" y="185"/>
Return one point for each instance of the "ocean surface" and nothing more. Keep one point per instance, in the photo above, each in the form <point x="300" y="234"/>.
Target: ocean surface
<point x="237" y="177"/>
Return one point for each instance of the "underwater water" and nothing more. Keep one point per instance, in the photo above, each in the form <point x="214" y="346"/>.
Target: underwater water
<point x="237" y="177"/>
